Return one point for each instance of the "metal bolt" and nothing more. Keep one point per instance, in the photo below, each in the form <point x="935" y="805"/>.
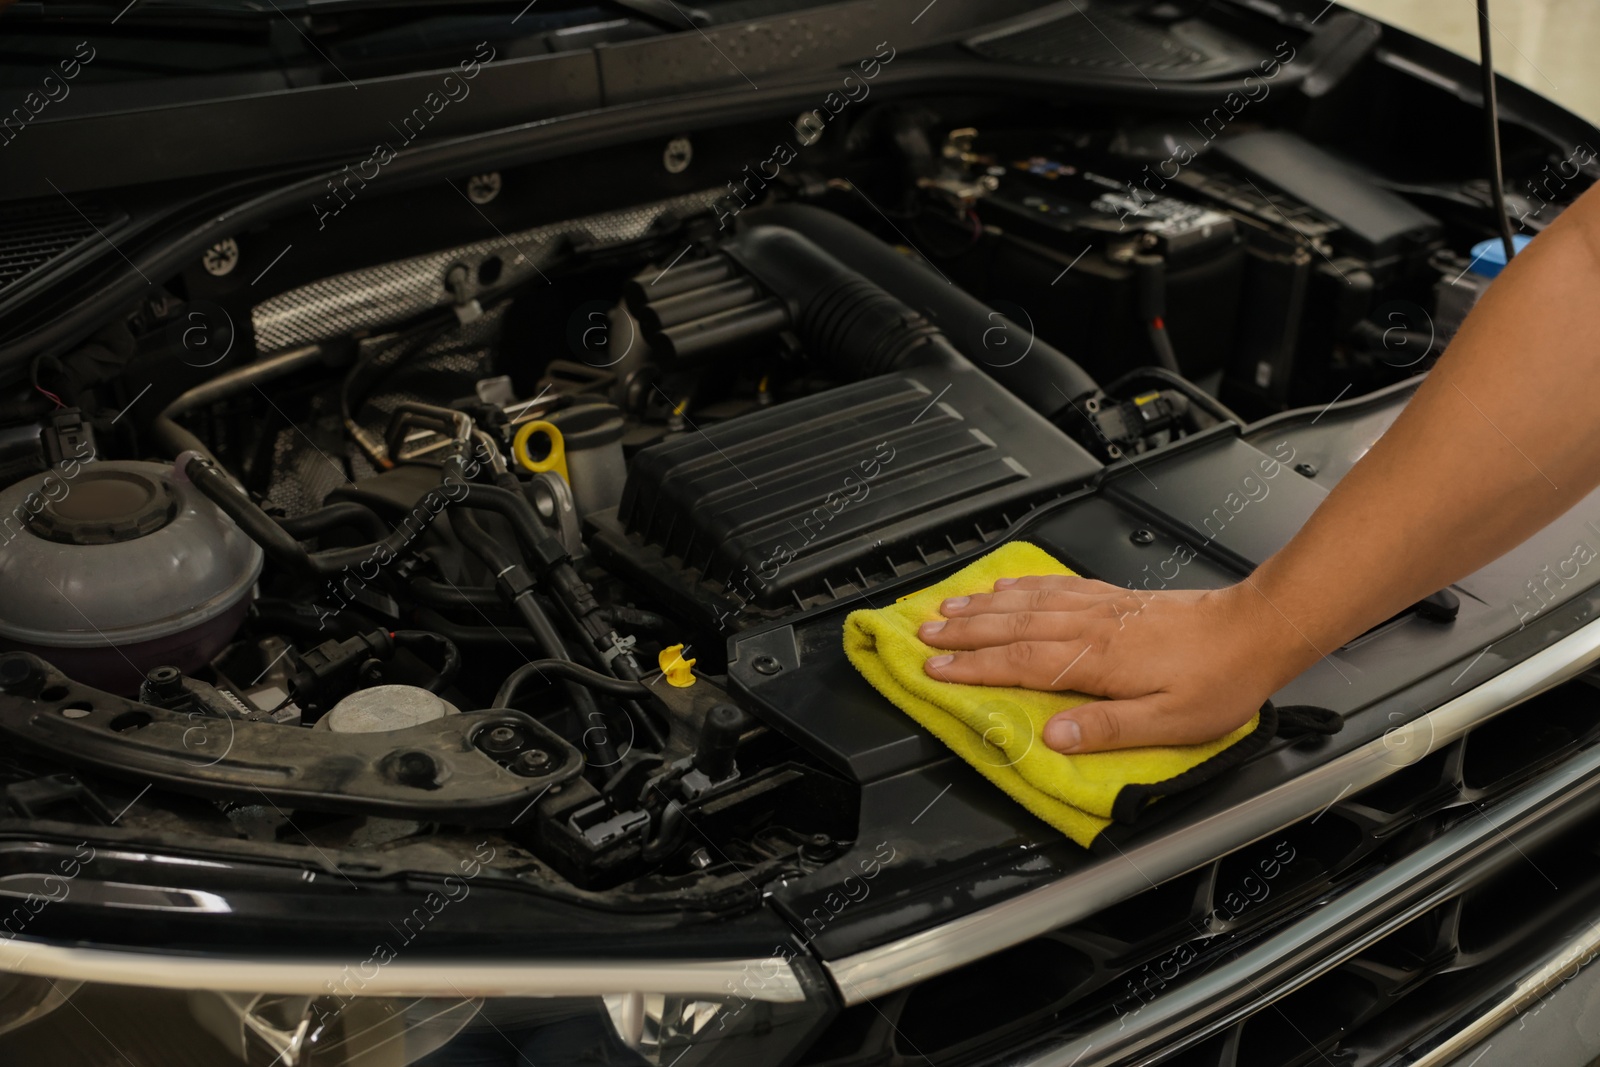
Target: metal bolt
<point x="482" y="188"/>
<point x="221" y="257"/>
<point x="808" y="128"/>
<point x="1307" y="469"/>
<point x="677" y="155"/>
<point x="416" y="769"/>
<point x="1142" y="537"/>
<point x="16" y="672"/>
<point x="165" y="681"/>
<point x="500" y="739"/>
<point x="819" y="849"/>
<point x="766" y="665"/>
<point x="532" y="762"/>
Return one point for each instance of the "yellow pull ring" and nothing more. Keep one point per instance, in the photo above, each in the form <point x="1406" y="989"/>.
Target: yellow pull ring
<point x="556" y="460"/>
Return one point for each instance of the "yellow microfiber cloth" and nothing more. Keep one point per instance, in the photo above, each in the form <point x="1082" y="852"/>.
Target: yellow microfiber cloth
<point x="998" y="730"/>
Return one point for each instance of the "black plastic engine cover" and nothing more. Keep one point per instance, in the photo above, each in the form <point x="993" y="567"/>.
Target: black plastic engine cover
<point x="831" y="495"/>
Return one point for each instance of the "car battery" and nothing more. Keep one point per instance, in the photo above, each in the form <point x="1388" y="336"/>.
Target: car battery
<point x="1059" y="246"/>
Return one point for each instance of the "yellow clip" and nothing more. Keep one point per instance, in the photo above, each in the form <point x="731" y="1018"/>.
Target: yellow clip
<point x="556" y="460"/>
<point x="675" y="667"/>
<point x="1145" y="398"/>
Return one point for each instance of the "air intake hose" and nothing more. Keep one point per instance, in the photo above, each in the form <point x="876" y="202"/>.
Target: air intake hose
<point x="1045" y="378"/>
<point x="770" y="279"/>
<point x="842" y="318"/>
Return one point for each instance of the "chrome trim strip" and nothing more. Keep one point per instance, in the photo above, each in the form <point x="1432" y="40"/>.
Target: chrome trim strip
<point x="919" y="956"/>
<point x="776" y="982"/>
<point x="1347" y="924"/>
<point x="1571" y="958"/>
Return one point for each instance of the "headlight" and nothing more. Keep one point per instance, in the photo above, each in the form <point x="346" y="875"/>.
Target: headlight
<point x="267" y="1029"/>
<point x="680" y="1031"/>
<point x="25" y="998"/>
<point x="421" y="1014"/>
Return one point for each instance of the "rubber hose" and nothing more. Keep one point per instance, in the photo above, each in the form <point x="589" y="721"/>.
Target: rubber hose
<point x="1045" y="379"/>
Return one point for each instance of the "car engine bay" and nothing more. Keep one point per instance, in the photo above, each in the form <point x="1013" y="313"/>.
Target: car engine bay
<point x="433" y="545"/>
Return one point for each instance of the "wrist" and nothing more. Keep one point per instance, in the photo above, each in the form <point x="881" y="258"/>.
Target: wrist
<point x="1276" y="647"/>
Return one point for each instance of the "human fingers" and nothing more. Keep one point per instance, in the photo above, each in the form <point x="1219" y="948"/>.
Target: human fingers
<point x="1030" y="664"/>
<point x="1071" y="583"/>
<point x="1041" y="599"/>
<point x="981" y="631"/>
<point x="1106" y="725"/>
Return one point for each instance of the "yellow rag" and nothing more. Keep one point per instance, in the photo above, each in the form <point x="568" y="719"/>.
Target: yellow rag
<point x="998" y="730"/>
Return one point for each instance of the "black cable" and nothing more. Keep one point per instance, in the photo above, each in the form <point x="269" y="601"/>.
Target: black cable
<point x="491" y="636"/>
<point x="1197" y="396"/>
<point x="499" y="561"/>
<point x="567" y="671"/>
<point x="546" y="552"/>
<point x="486" y="548"/>
<point x="1166" y="356"/>
<point x="623" y="665"/>
<point x="541" y="546"/>
<point x="450" y="661"/>
<point x="1491" y="115"/>
<point x="278" y="543"/>
<point x="438" y="594"/>
<point x="365" y="374"/>
<point x="346" y="513"/>
<point x="622" y="615"/>
<point x="672" y="830"/>
<point x="1150" y="272"/>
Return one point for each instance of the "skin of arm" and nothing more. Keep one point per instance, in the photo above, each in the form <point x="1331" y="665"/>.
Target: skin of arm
<point x="1497" y="443"/>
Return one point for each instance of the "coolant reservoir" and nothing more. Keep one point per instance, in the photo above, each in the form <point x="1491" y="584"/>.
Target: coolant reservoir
<point x="380" y="708"/>
<point x="117" y="567"/>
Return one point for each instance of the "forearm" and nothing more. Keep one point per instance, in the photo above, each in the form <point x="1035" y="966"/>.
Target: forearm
<point x="1494" y="446"/>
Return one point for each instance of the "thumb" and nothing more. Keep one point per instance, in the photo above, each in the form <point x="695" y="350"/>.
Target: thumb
<point x="1103" y="725"/>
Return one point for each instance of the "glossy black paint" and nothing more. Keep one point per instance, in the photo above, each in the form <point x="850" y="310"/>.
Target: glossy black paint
<point x="962" y="845"/>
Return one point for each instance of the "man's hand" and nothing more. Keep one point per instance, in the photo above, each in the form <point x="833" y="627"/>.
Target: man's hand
<point x="1178" y="667"/>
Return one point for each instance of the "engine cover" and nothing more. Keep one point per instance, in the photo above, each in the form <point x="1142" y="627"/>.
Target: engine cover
<point x="828" y="496"/>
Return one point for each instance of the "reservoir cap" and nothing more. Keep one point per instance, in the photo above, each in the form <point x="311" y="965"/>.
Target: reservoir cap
<point x="1489" y="257"/>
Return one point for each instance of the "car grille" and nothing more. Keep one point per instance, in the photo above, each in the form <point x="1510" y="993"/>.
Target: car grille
<point x="1369" y="1008"/>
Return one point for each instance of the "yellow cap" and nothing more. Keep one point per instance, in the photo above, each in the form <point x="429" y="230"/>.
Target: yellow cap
<point x="675" y="667"/>
<point x="556" y="460"/>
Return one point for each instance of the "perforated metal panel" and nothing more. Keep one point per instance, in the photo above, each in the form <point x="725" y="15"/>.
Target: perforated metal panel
<point x="379" y="296"/>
